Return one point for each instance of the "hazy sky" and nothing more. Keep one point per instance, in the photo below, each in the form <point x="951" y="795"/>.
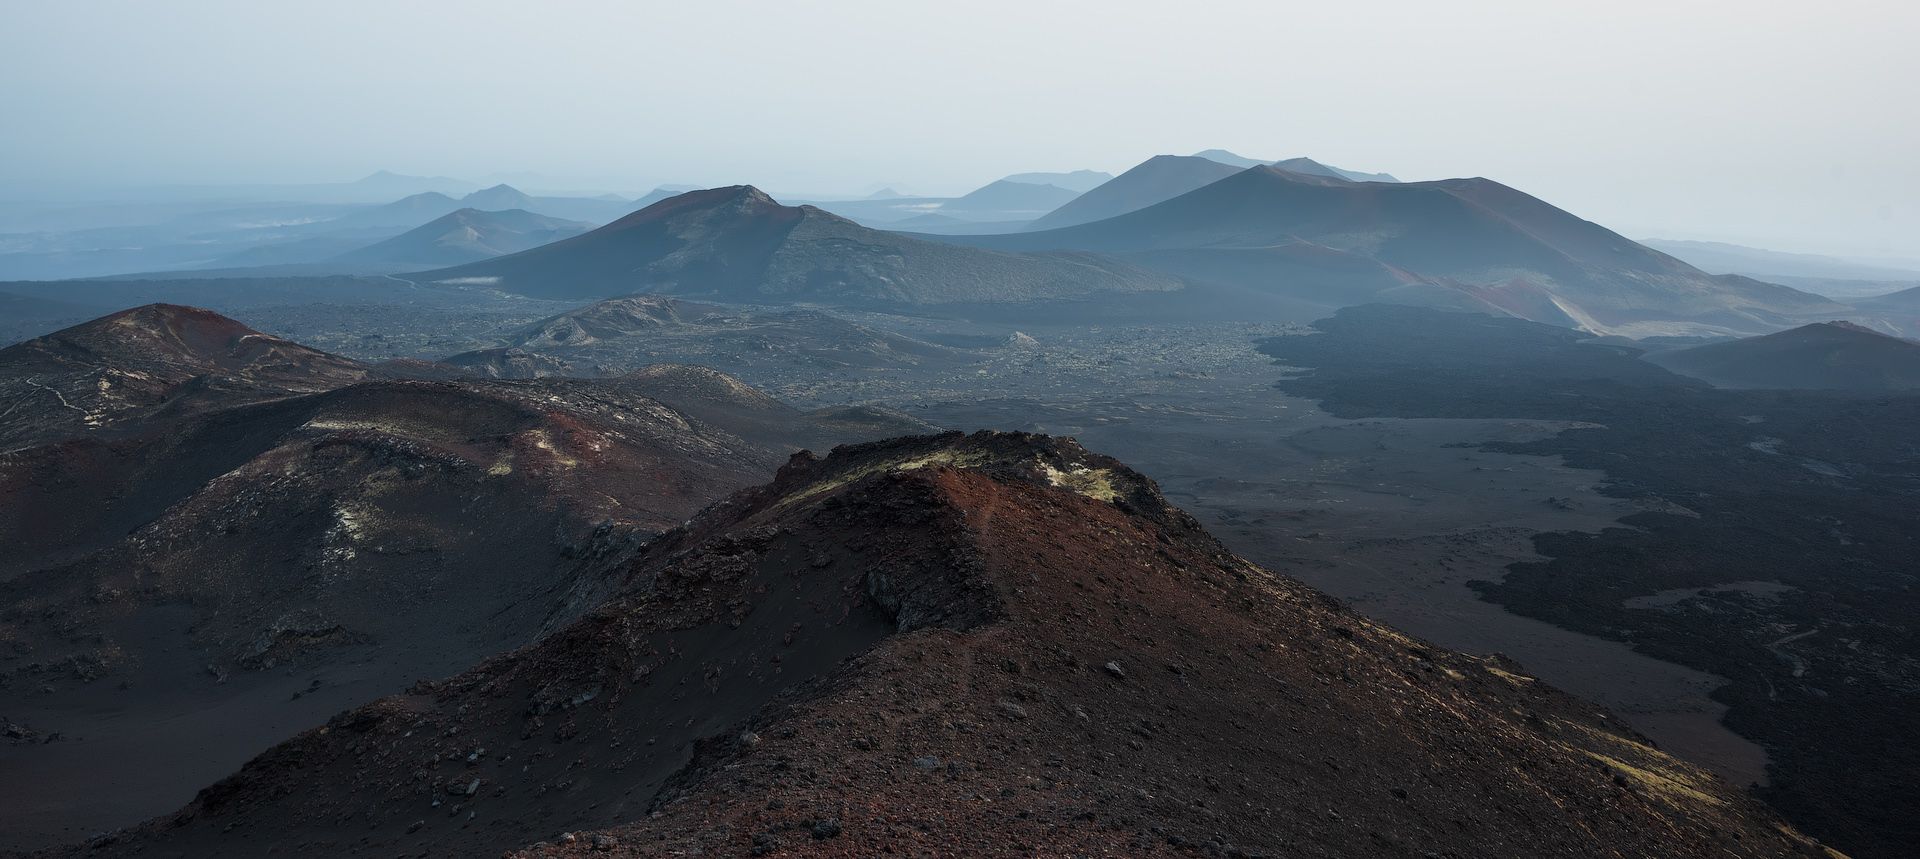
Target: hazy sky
<point x="1788" y="124"/>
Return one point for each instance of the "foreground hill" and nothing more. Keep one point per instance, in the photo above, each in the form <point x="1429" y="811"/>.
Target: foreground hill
<point x="148" y="361"/>
<point x="181" y="594"/>
<point x="738" y="244"/>
<point x="1823" y="356"/>
<point x="1472" y="243"/>
<point x="464" y="236"/>
<point x="989" y="645"/>
<point x="1162" y="177"/>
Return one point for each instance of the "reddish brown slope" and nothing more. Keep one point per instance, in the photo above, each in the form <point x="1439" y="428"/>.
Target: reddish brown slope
<point x="179" y="596"/>
<point x="989" y="645"/>
<point x="158" y="358"/>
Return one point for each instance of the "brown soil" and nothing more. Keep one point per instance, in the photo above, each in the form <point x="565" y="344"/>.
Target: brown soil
<point x="988" y="645"/>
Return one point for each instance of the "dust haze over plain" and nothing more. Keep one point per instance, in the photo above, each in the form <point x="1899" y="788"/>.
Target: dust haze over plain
<point x="1780" y="127"/>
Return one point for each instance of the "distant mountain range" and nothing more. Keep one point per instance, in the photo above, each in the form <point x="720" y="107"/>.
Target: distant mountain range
<point x="1160" y="178"/>
<point x="464" y="236"/>
<point x="1833" y="277"/>
<point x="1077" y="180"/>
<point x="420" y="208"/>
<point x="1467" y="243"/>
<point x="1822" y="356"/>
<point x="999" y="206"/>
<point x="1009" y="199"/>
<point x="1723" y="258"/>
<point x="739" y="244"/>
<point x="1297" y="165"/>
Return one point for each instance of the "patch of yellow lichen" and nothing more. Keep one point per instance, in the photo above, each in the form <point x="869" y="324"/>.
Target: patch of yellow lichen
<point x="1510" y="677"/>
<point x="1096" y="483"/>
<point x="1673" y="785"/>
<point x="1660" y="774"/>
<point x="940" y="457"/>
<point x="542" y="440"/>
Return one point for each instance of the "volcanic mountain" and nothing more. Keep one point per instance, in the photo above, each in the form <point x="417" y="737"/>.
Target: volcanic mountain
<point x="992" y="645"/>
<point x="1901" y="310"/>
<point x="159" y="359"/>
<point x="424" y="208"/>
<point x="1905" y="299"/>
<point x="1824" y="355"/>
<point x="1162" y="177"/>
<point x="467" y="235"/>
<point x="738" y="244"/>
<point x="182" y="595"/>
<point x="1307" y="166"/>
<point x="1080" y="181"/>
<point x="1012" y="199"/>
<point x="1469" y="243"/>
<point x="498" y="198"/>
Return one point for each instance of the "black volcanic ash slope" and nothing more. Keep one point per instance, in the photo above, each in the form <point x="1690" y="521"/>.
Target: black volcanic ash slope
<point x="1809" y="495"/>
<point x="1823" y="356"/>
<point x="738" y="244"/>
<point x="996" y="645"/>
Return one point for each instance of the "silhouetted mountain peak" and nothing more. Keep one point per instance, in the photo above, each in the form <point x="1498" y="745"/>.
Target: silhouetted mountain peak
<point x="1155" y="180"/>
<point x="1841" y="325"/>
<point x="422" y="200"/>
<point x="497" y="198"/>
<point x="1229" y="158"/>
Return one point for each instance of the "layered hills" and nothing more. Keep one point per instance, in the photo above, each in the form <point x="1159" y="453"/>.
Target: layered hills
<point x="417" y="209"/>
<point x="1080" y="181"/>
<point x="996" y="644"/>
<point x="1160" y="178"/>
<point x="1009" y="199"/>
<point x="187" y="590"/>
<point x="1821" y="356"/>
<point x="1296" y="165"/>
<point x="464" y="236"/>
<point x="1466" y="243"/>
<point x="739" y="244"/>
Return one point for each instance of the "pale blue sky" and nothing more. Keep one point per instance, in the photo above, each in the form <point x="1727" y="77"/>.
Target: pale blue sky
<point x="1785" y="124"/>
